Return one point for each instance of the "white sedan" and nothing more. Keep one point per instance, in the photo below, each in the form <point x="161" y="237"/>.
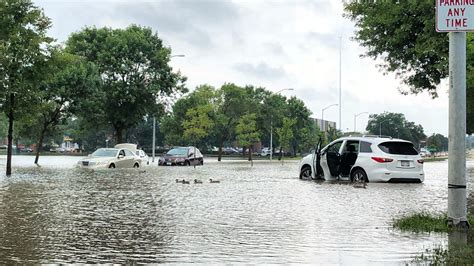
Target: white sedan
<point x="110" y="158"/>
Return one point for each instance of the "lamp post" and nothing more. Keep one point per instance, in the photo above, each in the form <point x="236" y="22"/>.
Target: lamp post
<point x="271" y="125"/>
<point x="355" y="116"/>
<point x="154" y="121"/>
<point x="380" y="126"/>
<point x="323" y="128"/>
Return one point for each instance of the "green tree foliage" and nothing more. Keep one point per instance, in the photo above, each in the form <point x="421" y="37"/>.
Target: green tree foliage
<point x="23" y="39"/>
<point x="198" y="123"/>
<point x="438" y="142"/>
<point x="300" y="114"/>
<point x="395" y="125"/>
<point x="246" y="131"/>
<point x="402" y="33"/>
<point x="133" y="65"/>
<point x="67" y="85"/>
<point x="285" y="134"/>
<point x="172" y="124"/>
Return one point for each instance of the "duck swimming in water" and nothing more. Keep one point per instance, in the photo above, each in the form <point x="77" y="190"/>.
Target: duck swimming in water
<point x="185" y="182"/>
<point x="214" y="181"/>
<point x="197" y="181"/>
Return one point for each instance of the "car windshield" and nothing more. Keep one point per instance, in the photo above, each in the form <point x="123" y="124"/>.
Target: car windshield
<point x="399" y="148"/>
<point x="105" y="153"/>
<point x="178" y="151"/>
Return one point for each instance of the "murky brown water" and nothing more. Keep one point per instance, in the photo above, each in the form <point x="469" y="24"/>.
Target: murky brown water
<point x="262" y="214"/>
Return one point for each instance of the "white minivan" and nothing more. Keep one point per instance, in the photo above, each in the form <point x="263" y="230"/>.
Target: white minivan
<point x="366" y="158"/>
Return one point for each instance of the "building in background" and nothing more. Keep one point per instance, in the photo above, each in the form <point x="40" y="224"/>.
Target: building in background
<point x="324" y="125"/>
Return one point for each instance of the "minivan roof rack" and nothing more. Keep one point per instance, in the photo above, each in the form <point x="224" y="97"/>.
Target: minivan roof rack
<point x="377" y="136"/>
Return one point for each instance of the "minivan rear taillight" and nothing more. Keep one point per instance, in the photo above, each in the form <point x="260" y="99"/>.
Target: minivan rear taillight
<point x="382" y="160"/>
<point x="420" y="161"/>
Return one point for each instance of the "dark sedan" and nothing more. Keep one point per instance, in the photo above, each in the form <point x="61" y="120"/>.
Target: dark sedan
<point x="182" y="156"/>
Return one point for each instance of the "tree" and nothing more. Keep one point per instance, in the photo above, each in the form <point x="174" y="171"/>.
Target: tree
<point x="285" y="133"/>
<point x="402" y="33"/>
<point x="300" y="114"/>
<point x="68" y="82"/>
<point x="395" y="125"/>
<point x="197" y="124"/>
<point x="172" y="124"/>
<point x="437" y="141"/>
<point x="133" y="65"/>
<point x="23" y="39"/>
<point x="233" y="102"/>
<point x="247" y="133"/>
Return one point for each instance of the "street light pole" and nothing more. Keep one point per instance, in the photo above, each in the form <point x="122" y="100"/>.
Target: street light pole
<point x="271" y="125"/>
<point x="154" y="121"/>
<point x="323" y="128"/>
<point x="355" y="116"/>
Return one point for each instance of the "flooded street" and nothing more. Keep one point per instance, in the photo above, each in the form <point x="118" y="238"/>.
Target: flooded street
<point x="262" y="214"/>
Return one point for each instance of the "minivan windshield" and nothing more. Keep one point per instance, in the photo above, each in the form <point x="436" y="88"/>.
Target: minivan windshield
<point x="398" y="147"/>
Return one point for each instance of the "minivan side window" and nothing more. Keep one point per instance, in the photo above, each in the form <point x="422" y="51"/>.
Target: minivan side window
<point x="365" y="147"/>
<point x="335" y="147"/>
<point x="398" y="147"/>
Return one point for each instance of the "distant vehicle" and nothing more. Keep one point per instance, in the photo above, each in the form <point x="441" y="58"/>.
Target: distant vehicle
<point x="133" y="147"/>
<point x="26" y="150"/>
<point x="265" y="152"/>
<point x="182" y="156"/>
<point x="229" y="150"/>
<point x="110" y="158"/>
<point x="369" y="159"/>
<point x="424" y="152"/>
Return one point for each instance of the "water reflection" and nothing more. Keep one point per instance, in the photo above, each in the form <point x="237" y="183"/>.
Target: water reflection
<point x="260" y="214"/>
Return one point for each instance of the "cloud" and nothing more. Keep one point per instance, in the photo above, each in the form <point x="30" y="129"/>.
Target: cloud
<point x="261" y="70"/>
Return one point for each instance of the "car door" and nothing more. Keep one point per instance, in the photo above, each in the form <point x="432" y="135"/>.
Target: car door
<point x="331" y="157"/>
<point x="192" y="156"/>
<point x="120" y="162"/>
<point x="130" y="159"/>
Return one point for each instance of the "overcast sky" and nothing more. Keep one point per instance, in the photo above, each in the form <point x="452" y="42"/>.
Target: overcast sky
<point x="269" y="43"/>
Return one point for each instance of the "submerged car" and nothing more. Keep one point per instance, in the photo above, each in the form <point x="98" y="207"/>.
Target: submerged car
<point x="110" y="158"/>
<point x="367" y="158"/>
<point x="182" y="156"/>
<point x="144" y="160"/>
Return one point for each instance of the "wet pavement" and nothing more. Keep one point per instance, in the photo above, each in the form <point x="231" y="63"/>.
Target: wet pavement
<point x="262" y="214"/>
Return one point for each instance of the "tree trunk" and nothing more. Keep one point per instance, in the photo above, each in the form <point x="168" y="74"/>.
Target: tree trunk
<point x="40" y="144"/>
<point x="250" y="152"/>
<point x="221" y="143"/>
<point x="10" y="135"/>
<point x="118" y="132"/>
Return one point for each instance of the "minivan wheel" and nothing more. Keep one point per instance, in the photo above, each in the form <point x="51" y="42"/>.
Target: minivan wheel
<point x="305" y="172"/>
<point x="359" y="175"/>
<point x="112" y="165"/>
<point x="136" y="165"/>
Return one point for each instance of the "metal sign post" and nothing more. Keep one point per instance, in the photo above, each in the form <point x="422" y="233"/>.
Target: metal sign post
<point x="456" y="17"/>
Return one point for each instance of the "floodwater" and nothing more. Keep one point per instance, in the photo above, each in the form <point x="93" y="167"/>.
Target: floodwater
<point x="262" y="214"/>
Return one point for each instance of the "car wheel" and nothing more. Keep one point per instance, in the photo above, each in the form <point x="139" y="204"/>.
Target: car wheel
<point x="305" y="172"/>
<point x="202" y="162"/>
<point x="359" y="175"/>
<point x="112" y="165"/>
<point x="188" y="163"/>
<point x="136" y="165"/>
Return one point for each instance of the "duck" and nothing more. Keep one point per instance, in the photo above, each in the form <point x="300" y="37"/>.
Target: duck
<point x="197" y="181"/>
<point x="185" y="182"/>
<point x="214" y="181"/>
<point x="178" y="181"/>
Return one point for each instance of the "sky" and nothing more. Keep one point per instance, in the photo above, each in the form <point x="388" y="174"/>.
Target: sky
<point x="276" y="44"/>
